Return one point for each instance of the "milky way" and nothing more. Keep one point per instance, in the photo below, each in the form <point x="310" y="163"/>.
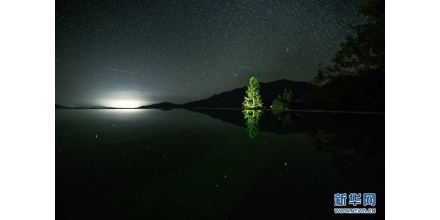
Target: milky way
<point x="143" y="52"/>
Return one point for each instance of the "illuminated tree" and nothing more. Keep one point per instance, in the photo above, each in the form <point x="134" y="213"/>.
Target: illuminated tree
<point x="253" y="98"/>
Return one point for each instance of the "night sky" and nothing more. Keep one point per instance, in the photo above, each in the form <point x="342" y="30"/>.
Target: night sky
<point x="133" y="53"/>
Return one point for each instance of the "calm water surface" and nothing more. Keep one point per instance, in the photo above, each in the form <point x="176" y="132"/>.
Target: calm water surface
<point x="214" y="164"/>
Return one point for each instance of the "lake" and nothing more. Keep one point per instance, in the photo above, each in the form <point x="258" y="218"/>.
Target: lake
<point x="214" y="164"/>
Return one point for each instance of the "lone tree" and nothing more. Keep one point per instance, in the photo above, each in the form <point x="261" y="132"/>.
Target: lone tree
<point x="253" y="98"/>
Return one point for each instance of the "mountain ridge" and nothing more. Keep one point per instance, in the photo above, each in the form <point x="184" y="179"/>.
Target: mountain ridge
<point x="234" y="98"/>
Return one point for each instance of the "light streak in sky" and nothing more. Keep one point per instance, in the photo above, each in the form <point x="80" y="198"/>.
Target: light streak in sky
<point x="245" y="67"/>
<point x="121" y="70"/>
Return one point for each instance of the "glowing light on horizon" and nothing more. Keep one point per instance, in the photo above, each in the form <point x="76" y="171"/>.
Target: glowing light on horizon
<point x="125" y="103"/>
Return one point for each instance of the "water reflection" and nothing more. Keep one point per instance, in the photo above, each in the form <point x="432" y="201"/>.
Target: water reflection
<point x="357" y="152"/>
<point x="113" y="165"/>
<point x="252" y="121"/>
<point x="279" y="111"/>
<point x="285" y="117"/>
<point x="354" y="143"/>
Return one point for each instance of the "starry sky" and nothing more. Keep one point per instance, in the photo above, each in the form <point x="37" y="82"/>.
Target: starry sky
<point x="132" y="53"/>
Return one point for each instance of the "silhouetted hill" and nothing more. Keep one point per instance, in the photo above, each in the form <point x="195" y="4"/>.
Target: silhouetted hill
<point x="100" y="107"/>
<point x="163" y="105"/>
<point x="234" y="98"/>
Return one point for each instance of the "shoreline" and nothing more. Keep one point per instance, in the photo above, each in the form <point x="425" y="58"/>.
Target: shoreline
<point x="235" y="109"/>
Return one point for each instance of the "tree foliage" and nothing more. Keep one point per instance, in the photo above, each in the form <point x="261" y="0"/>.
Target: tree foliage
<point x="278" y="107"/>
<point x="287" y="95"/>
<point x="281" y="103"/>
<point x="253" y="99"/>
<point x="355" y="80"/>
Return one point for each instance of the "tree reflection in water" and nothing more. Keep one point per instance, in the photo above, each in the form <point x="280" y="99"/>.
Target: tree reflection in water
<point x="252" y="121"/>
